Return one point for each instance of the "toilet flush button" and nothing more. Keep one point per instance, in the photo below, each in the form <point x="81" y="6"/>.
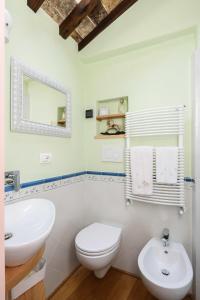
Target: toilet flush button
<point x="45" y="158"/>
<point x="112" y="153"/>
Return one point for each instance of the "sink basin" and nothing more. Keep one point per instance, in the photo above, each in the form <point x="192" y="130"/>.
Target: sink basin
<point x="27" y="226"/>
<point x="166" y="271"/>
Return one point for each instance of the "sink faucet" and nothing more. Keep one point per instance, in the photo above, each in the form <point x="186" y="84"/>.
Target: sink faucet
<point x="13" y="177"/>
<point x="165" y="237"/>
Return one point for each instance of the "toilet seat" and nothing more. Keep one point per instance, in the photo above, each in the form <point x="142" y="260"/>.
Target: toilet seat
<point x="98" y="239"/>
<point x="98" y="253"/>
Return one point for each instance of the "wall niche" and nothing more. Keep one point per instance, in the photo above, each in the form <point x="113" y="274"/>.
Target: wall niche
<point x="110" y="117"/>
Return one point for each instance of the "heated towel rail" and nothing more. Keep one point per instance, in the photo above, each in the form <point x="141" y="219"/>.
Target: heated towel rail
<point x="164" y="121"/>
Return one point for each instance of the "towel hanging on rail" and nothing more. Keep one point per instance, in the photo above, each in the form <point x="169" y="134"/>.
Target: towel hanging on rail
<point x="166" y="165"/>
<point x="142" y="170"/>
<point x="166" y="122"/>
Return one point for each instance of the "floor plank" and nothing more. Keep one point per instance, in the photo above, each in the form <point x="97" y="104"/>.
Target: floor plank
<point x="71" y="284"/>
<point x="116" y="285"/>
<point x="140" y="292"/>
<point x="123" y="287"/>
<point x="37" y="292"/>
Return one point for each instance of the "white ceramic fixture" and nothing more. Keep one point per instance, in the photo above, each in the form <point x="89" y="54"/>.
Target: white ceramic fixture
<point x="28" y="223"/>
<point x="96" y="247"/>
<point x="166" y="271"/>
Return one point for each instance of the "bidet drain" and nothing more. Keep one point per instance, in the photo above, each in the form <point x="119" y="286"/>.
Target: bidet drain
<point x="8" y="236"/>
<point x="165" y="272"/>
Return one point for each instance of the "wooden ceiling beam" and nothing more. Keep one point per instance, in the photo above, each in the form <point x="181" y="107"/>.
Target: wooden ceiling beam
<point x="111" y="17"/>
<point x="81" y="10"/>
<point x="35" y="4"/>
<point x="98" y="14"/>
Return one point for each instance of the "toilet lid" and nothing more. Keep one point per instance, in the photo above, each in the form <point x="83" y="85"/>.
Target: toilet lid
<point x="98" y="237"/>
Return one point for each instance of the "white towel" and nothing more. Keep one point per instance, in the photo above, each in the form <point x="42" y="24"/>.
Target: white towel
<point x="166" y="165"/>
<point x="142" y="170"/>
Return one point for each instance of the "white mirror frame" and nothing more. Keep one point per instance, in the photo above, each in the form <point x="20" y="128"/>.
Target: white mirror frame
<point x="18" y="123"/>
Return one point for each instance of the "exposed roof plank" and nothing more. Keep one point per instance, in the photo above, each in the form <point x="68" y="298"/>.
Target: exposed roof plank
<point x="85" y="27"/>
<point x="35" y="4"/>
<point x="98" y="14"/>
<point x="76" y="36"/>
<point x="111" y="17"/>
<point x="109" y="5"/>
<point x="81" y="10"/>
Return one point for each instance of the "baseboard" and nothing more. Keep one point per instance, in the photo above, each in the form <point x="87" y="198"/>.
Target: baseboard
<point x="126" y="272"/>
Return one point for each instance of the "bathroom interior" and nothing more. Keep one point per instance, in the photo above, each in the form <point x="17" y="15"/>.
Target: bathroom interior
<point x="100" y="150"/>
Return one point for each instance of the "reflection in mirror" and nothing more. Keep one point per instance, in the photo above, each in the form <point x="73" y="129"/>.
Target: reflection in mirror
<point x="42" y="103"/>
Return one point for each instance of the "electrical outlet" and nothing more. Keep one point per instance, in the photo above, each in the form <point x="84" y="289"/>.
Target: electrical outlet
<point x="45" y="158"/>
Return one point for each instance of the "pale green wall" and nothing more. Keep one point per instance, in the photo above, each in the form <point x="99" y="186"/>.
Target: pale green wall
<point x="153" y="76"/>
<point x="35" y="41"/>
<point x="146" y="21"/>
<point x="146" y="55"/>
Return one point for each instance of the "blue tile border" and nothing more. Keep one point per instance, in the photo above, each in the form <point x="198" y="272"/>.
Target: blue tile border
<point x="186" y="179"/>
<point x="24" y="185"/>
<point x="9" y="188"/>
<point x="105" y="173"/>
<point x="189" y="179"/>
<point x="32" y="183"/>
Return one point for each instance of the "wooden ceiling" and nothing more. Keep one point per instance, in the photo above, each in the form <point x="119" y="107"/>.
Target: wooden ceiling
<point x="83" y="20"/>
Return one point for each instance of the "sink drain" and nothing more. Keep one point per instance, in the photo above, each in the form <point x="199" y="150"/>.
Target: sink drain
<point x="165" y="272"/>
<point x="8" y="236"/>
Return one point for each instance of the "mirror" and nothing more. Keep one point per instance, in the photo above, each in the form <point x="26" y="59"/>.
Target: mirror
<point x="42" y="103"/>
<point x="39" y="104"/>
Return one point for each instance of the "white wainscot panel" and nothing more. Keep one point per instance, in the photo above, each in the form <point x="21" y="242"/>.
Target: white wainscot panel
<point x="70" y="218"/>
<point x="93" y="198"/>
<point x="140" y="221"/>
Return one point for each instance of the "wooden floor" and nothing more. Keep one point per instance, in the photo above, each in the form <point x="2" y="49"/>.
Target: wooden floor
<point x="116" y="285"/>
<point x="35" y="293"/>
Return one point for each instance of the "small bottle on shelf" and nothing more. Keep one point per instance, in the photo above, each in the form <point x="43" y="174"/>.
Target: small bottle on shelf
<point x="122" y="106"/>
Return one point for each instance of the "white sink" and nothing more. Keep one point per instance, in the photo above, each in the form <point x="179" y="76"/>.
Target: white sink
<point x="29" y="223"/>
<point x="166" y="271"/>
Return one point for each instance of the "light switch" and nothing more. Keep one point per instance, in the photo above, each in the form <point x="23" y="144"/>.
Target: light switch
<point x="45" y="158"/>
<point x="112" y="153"/>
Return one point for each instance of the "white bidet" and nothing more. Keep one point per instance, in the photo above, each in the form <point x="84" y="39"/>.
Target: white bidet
<point x="166" y="271"/>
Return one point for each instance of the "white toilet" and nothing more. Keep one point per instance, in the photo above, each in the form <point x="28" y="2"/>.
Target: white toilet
<point x="166" y="271"/>
<point x="96" y="247"/>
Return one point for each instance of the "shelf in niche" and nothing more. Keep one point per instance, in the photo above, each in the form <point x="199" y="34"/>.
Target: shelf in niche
<point x="113" y="119"/>
<point x="61" y="121"/>
<point x="108" y="117"/>
<point x="102" y="136"/>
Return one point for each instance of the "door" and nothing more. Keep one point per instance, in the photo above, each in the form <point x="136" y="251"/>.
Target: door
<point x="196" y="168"/>
<point x="2" y="264"/>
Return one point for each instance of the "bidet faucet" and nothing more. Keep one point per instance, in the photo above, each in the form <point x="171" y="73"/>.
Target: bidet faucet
<point x="165" y="237"/>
